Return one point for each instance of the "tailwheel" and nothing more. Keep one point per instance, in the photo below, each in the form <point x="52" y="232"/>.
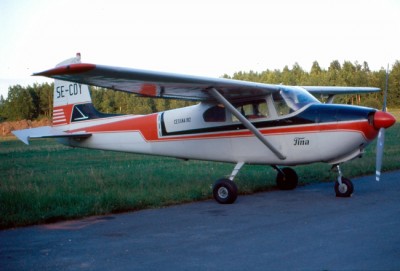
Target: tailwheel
<point x="225" y="191"/>
<point x="344" y="188"/>
<point x="287" y="179"/>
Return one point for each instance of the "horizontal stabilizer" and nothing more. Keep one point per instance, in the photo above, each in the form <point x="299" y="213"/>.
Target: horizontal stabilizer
<point x="45" y="132"/>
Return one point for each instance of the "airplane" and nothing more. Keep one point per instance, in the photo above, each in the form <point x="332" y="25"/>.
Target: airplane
<point x="234" y="121"/>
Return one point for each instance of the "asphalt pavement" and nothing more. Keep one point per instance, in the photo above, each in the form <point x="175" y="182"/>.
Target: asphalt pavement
<point x="305" y="229"/>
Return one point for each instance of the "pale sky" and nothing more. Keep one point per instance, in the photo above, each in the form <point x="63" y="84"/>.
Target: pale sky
<point x="206" y="38"/>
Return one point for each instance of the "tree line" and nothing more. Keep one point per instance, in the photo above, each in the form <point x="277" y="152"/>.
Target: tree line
<point x="346" y="74"/>
<point x="36" y="101"/>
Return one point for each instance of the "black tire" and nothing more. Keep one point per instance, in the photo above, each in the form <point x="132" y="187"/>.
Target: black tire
<point x="287" y="180"/>
<point x="345" y="190"/>
<point x="225" y="191"/>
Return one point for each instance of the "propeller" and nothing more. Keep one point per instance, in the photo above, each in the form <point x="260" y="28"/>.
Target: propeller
<point x="382" y="120"/>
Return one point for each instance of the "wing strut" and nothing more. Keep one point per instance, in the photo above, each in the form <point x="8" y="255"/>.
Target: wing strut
<point x="218" y="96"/>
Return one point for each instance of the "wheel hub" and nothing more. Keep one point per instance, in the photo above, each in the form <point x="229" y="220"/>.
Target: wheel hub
<point x="223" y="192"/>
<point x="342" y="188"/>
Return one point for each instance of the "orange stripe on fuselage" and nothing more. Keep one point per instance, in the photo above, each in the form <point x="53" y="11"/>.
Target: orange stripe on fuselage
<point x="146" y="125"/>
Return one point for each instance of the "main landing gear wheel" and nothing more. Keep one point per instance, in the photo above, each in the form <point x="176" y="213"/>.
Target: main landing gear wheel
<point x="287" y="179"/>
<point x="344" y="189"/>
<point x="225" y="191"/>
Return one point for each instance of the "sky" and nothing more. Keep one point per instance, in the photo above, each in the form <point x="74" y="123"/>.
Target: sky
<point x="205" y="38"/>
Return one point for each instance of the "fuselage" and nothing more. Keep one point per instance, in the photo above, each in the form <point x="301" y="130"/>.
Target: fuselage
<point x="315" y="133"/>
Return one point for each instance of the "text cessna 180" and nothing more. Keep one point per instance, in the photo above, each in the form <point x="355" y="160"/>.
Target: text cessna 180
<point x="235" y="121"/>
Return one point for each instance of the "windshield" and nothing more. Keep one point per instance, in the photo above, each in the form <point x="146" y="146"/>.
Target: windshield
<point x="290" y="99"/>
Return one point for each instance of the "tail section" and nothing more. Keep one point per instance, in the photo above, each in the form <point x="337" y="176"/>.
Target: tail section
<point x="71" y="105"/>
<point x="67" y="95"/>
<point x="71" y="102"/>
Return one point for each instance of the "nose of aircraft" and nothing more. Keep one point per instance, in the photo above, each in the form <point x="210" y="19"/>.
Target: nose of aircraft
<point x="383" y="120"/>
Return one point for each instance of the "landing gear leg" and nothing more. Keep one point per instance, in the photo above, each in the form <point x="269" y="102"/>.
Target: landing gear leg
<point x="225" y="190"/>
<point x="343" y="187"/>
<point x="286" y="179"/>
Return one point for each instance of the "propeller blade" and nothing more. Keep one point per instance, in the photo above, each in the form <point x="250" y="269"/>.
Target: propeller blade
<point x="379" y="153"/>
<point x="381" y="136"/>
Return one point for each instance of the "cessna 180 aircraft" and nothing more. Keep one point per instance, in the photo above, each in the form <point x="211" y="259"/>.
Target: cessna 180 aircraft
<point x="235" y="121"/>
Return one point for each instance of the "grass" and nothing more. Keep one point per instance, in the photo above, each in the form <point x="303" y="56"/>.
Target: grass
<point x="47" y="182"/>
<point x="395" y="112"/>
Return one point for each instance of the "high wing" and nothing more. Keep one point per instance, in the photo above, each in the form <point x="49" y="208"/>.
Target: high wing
<point x="328" y="90"/>
<point x="178" y="86"/>
<point x="331" y="91"/>
<point x="158" y="84"/>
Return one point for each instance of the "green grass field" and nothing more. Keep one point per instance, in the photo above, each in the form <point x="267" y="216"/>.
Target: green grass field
<point x="47" y="182"/>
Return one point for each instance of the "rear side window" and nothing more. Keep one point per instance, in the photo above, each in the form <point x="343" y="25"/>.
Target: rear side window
<point x="215" y="114"/>
<point x="86" y="112"/>
<point x="252" y="110"/>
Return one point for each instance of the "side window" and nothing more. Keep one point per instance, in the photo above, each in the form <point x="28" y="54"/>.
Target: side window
<point x="215" y="114"/>
<point x="252" y="110"/>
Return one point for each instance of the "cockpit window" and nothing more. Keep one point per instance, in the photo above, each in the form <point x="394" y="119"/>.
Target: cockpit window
<point x="290" y="99"/>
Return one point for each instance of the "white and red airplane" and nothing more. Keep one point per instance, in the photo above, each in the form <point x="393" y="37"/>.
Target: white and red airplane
<point x="235" y="121"/>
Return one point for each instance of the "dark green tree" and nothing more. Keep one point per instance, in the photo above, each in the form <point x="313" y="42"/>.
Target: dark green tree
<point x="393" y="97"/>
<point x="19" y="104"/>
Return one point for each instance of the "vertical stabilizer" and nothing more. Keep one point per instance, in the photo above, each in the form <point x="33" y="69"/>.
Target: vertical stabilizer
<point x="67" y="94"/>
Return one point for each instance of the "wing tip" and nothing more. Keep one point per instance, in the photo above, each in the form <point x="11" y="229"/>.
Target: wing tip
<point x="68" y="69"/>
